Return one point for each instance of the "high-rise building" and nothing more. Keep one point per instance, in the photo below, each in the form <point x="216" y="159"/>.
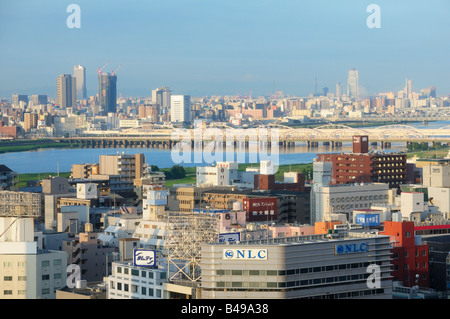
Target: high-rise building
<point x="79" y="72"/>
<point x="180" y="108"/>
<point x="107" y="92"/>
<point x="17" y="98"/>
<point x="39" y="99"/>
<point x="30" y="121"/>
<point x="66" y="95"/>
<point x="161" y="97"/>
<point x="339" y="89"/>
<point x="352" y="83"/>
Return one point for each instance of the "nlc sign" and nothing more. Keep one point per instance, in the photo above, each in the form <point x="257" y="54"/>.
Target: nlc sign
<point x="245" y="254"/>
<point x="343" y="249"/>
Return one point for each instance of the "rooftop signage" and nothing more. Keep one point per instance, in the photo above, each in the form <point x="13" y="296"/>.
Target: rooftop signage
<point x="245" y="254"/>
<point x="144" y="258"/>
<point x="344" y="249"/>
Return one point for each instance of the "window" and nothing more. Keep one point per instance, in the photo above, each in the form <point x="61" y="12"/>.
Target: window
<point x="7" y="278"/>
<point x="45" y="291"/>
<point x="45" y="277"/>
<point x="57" y="262"/>
<point x="45" y="263"/>
<point x="7" y="292"/>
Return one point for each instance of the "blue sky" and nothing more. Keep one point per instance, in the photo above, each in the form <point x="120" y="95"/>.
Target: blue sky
<point x="216" y="47"/>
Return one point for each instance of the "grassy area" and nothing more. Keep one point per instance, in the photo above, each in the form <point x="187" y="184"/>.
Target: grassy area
<point x="431" y="153"/>
<point x="29" y="145"/>
<point x="24" y="178"/>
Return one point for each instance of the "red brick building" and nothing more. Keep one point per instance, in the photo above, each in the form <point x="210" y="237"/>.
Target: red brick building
<point x="363" y="167"/>
<point x="409" y="258"/>
<point x="267" y="182"/>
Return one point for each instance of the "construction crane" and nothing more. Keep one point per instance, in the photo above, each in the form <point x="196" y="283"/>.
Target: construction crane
<point x="101" y="69"/>
<point x="114" y="72"/>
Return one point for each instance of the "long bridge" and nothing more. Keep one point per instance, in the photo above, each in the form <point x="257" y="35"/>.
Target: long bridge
<point x="330" y="134"/>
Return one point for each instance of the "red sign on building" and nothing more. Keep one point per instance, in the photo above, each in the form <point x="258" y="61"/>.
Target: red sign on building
<point x="260" y="208"/>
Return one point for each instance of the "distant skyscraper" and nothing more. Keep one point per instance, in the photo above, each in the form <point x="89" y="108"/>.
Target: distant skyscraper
<point x="39" y="99"/>
<point x="338" y="90"/>
<point x="180" y="108"/>
<point x="408" y="89"/>
<point x="79" y="72"/>
<point x="17" y="98"/>
<point x="161" y="97"/>
<point x="107" y="92"/>
<point x="66" y="95"/>
<point x="352" y="83"/>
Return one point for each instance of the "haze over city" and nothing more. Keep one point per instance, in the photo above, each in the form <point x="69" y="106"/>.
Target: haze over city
<point x="225" y="47"/>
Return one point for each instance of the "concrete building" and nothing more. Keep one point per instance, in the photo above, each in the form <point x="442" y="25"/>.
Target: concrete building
<point x="331" y="266"/>
<point x="344" y="199"/>
<point x="362" y="166"/>
<point x="88" y="252"/>
<point x="7" y="176"/>
<point x="436" y="175"/>
<point x="225" y="174"/>
<point x="107" y="93"/>
<point x="66" y="91"/>
<point x="79" y="73"/>
<point x="29" y="121"/>
<point x="410" y="254"/>
<point x="18" y="98"/>
<point x="128" y="281"/>
<point x="27" y="272"/>
<point x="127" y="167"/>
<point x="353" y="83"/>
<point x="180" y="108"/>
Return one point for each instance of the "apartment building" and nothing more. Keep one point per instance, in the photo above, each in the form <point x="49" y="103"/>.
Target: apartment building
<point x="87" y="251"/>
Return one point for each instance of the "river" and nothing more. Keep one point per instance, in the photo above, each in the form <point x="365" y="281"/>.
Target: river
<point x="61" y="160"/>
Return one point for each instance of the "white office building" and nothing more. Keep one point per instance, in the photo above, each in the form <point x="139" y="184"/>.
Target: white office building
<point x="28" y="272"/>
<point x="344" y="199"/>
<point x="180" y="108"/>
<point x="226" y="174"/>
<point x="79" y="72"/>
<point x="333" y="266"/>
<point x="128" y="281"/>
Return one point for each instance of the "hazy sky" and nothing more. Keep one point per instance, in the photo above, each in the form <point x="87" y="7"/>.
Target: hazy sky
<point x="216" y="47"/>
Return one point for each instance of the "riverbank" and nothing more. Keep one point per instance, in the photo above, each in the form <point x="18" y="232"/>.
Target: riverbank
<point x="32" y="145"/>
<point x="189" y="178"/>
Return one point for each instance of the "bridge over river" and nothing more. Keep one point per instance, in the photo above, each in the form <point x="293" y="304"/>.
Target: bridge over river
<point x="330" y="134"/>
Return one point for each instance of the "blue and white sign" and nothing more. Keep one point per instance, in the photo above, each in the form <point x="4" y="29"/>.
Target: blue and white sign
<point x="229" y="237"/>
<point x="343" y="249"/>
<point x="157" y="197"/>
<point x="144" y="258"/>
<point x="367" y="219"/>
<point x="245" y="254"/>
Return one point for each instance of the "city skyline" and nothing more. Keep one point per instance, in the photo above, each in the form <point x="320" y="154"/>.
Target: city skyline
<point x="224" y="48"/>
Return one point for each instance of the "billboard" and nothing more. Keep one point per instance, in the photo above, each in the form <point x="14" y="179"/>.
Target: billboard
<point x="261" y="208"/>
<point x="144" y="258"/>
<point x="229" y="237"/>
<point x="86" y="190"/>
<point x="157" y="197"/>
<point x="367" y="220"/>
